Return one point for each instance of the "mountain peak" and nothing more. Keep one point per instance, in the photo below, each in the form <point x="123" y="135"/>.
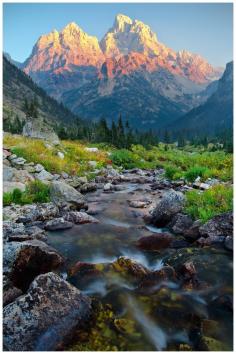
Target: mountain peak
<point x="71" y="28"/>
<point x="122" y="23"/>
<point x="127" y="36"/>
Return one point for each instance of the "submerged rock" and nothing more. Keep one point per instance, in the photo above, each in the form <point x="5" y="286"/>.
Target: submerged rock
<point x="155" y="242"/>
<point x="129" y="267"/>
<point x="171" y="204"/>
<point x="47" y="314"/>
<point x="139" y="203"/>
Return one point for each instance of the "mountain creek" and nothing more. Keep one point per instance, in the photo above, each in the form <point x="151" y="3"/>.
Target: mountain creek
<point x="142" y="301"/>
<point x="113" y="264"/>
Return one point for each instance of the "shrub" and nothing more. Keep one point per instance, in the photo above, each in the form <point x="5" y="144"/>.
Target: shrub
<point x="16" y="196"/>
<point x="38" y="192"/>
<point x="192" y="173"/>
<point x="205" y="205"/>
<point x="172" y="172"/>
<point x="124" y="158"/>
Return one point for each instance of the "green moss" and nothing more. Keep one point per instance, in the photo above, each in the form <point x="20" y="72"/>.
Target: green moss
<point x="108" y="333"/>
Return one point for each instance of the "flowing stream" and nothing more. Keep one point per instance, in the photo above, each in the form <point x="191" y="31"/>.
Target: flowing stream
<point x="168" y="317"/>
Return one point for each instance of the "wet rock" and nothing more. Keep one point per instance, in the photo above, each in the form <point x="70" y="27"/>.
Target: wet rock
<point x="171" y="204"/>
<point x="155" y="242"/>
<point x="179" y="243"/>
<point x="62" y="194"/>
<point x="202" y="241"/>
<point x="88" y="187"/>
<point x="23" y="261"/>
<point x="180" y="223"/>
<point x="139" y="203"/>
<point x="192" y="233"/>
<point x="219" y="225"/>
<point x="152" y="281"/>
<point x="78" y="217"/>
<point x="47" y="313"/>
<point x="229" y="243"/>
<point x="58" y="224"/>
<point x="44" y="176"/>
<point x="129" y="267"/>
<point x="188" y="270"/>
<point x="210" y="328"/>
<point x="85" y="269"/>
<point x="211" y="344"/>
<point x="223" y="302"/>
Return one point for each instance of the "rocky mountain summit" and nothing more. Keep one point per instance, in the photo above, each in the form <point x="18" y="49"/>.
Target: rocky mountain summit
<point x="93" y="79"/>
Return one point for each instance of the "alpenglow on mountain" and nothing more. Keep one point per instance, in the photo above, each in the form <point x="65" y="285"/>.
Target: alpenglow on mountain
<point x="129" y="72"/>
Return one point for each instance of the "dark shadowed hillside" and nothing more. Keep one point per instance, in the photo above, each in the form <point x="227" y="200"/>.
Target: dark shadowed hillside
<point x="215" y="115"/>
<point x="18" y="87"/>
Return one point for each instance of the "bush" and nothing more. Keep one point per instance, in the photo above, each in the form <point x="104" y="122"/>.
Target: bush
<point x="36" y="192"/>
<point x="172" y="172"/>
<point x="124" y="158"/>
<point x="205" y="205"/>
<point x="192" y="173"/>
<point x="16" y="196"/>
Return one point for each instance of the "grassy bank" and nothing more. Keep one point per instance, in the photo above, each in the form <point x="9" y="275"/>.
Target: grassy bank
<point x="188" y="163"/>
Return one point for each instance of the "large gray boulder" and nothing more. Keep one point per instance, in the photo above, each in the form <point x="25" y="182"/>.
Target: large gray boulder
<point x="171" y="204"/>
<point x="9" y="187"/>
<point x="36" y="128"/>
<point x="63" y="194"/>
<point x="41" y="319"/>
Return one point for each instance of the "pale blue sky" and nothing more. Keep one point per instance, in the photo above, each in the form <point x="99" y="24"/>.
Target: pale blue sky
<point x="205" y="29"/>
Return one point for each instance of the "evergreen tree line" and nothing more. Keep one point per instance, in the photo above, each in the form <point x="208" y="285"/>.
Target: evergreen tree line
<point x="119" y="134"/>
